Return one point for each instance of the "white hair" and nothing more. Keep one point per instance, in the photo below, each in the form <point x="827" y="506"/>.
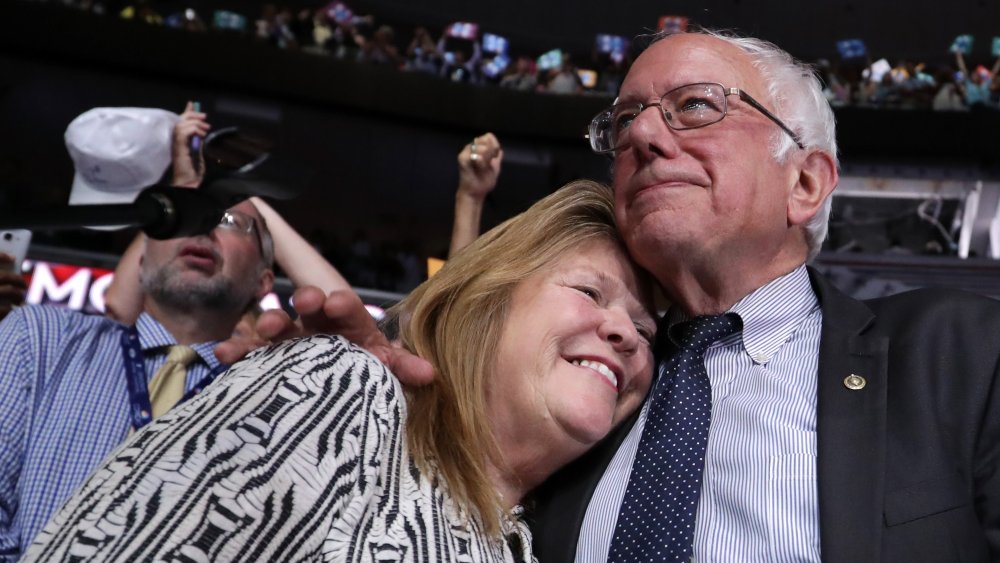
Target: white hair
<point x="796" y="96"/>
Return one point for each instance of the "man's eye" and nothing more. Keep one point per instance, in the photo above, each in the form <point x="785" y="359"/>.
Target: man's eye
<point x="589" y="292"/>
<point x="695" y="104"/>
<point x="621" y="121"/>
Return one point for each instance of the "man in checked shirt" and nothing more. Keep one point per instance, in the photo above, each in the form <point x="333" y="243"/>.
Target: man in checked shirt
<point x="68" y="392"/>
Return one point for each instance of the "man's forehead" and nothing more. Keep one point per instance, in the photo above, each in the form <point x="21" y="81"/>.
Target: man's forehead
<point x="685" y="59"/>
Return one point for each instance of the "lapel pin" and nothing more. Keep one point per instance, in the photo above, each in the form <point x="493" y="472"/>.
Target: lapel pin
<point x="854" y="382"/>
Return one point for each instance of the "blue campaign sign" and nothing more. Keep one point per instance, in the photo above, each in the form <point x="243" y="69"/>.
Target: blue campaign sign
<point x="962" y="44"/>
<point x="852" y="49"/>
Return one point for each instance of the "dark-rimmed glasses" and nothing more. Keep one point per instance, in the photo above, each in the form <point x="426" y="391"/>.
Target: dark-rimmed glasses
<point x="686" y="107"/>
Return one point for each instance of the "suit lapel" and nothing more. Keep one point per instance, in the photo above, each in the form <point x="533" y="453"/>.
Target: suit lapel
<point x="851" y="428"/>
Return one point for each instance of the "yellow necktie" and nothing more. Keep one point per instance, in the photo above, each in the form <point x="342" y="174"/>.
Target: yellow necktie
<point x="167" y="386"/>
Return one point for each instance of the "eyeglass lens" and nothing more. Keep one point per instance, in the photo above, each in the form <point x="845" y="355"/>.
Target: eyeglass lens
<point x="694" y="105"/>
<point x="687" y="107"/>
<point x="234" y="220"/>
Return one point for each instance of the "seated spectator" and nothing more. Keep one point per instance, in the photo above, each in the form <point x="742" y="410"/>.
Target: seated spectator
<point x="919" y="88"/>
<point x="422" y="54"/>
<point x="302" y="26"/>
<point x="96" y="6"/>
<point x="143" y="12"/>
<point x="322" y="33"/>
<point x="949" y="94"/>
<point x="381" y="49"/>
<point x="886" y="91"/>
<point x="563" y="80"/>
<point x="837" y="88"/>
<point x="461" y="64"/>
<point x="342" y="40"/>
<point x="610" y="76"/>
<point x="361" y="30"/>
<point x="274" y="26"/>
<point x="187" y="20"/>
<point x="456" y="68"/>
<point x="975" y="85"/>
<point x="520" y="76"/>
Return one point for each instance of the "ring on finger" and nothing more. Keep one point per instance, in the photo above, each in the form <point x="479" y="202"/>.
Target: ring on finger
<point x="473" y="157"/>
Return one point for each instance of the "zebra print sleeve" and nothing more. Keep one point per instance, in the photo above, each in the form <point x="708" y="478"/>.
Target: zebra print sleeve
<point x="258" y="467"/>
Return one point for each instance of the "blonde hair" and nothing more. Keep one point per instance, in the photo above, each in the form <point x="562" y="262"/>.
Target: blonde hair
<point x="455" y="321"/>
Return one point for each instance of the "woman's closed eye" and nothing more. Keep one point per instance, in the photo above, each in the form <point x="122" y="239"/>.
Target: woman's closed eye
<point x="589" y="291"/>
<point x="646" y="333"/>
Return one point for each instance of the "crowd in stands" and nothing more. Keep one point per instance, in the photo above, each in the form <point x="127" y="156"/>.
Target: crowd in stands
<point x="460" y="53"/>
<point x="910" y="85"/>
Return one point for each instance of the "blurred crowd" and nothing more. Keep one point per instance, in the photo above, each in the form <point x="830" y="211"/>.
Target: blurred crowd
<point x="461" y="53"/>
<point x="911" y="85"/>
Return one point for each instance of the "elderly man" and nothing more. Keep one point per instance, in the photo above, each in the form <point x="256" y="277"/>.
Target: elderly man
<point x="72" y="386"/>
<point x="839" y="430"/>
<point x="788" y="422"/>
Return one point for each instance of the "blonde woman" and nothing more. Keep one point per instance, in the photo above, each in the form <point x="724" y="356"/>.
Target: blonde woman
<point x="540" y="333"/>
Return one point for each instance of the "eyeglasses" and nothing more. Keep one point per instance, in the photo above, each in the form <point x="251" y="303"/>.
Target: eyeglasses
<point x="239" y="222"/>
<point x="686" y="107"/>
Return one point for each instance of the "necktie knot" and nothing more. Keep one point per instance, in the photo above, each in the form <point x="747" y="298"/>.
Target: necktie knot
<point x="181" y="355"/>
<point x="697" y="334"/>
<point x="166" y="387"/>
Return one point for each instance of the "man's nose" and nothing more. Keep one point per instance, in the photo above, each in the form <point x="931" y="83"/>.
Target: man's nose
<point x="650" y="135"/>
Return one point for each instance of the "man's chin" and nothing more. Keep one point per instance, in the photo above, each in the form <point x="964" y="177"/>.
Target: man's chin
<point x="646" y="243"/>
<point x="209" y="295"/>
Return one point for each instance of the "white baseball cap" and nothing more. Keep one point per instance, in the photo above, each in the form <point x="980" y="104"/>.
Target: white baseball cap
<point x="118" y="152"/>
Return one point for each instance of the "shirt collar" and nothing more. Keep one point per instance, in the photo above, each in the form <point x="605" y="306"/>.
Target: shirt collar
<point x="770" y="314"/>
<point x="153" y="335"/>
<point x="773" y="312"/>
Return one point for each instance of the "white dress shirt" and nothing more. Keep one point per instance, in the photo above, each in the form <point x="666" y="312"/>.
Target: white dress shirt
<point x="759" y="500"/>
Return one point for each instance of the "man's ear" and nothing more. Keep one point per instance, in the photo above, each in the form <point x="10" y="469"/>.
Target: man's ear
<point x="817" y="178"/>
<point x="264" y="283"/>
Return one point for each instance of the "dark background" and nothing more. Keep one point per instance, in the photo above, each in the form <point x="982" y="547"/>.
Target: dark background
<point x="379" y="145"/>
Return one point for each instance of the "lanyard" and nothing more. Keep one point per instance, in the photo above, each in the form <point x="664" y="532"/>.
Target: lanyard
<point x="135" y="376"/>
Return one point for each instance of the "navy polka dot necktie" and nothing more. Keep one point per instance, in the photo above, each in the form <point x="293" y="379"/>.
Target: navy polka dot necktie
<point x="656" y="521"/>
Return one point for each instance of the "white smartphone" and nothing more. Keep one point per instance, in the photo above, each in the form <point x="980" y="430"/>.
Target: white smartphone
<point x="15" y="242"/>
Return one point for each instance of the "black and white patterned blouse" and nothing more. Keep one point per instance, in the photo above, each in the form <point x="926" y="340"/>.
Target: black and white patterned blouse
<point x="296" y="454"/>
